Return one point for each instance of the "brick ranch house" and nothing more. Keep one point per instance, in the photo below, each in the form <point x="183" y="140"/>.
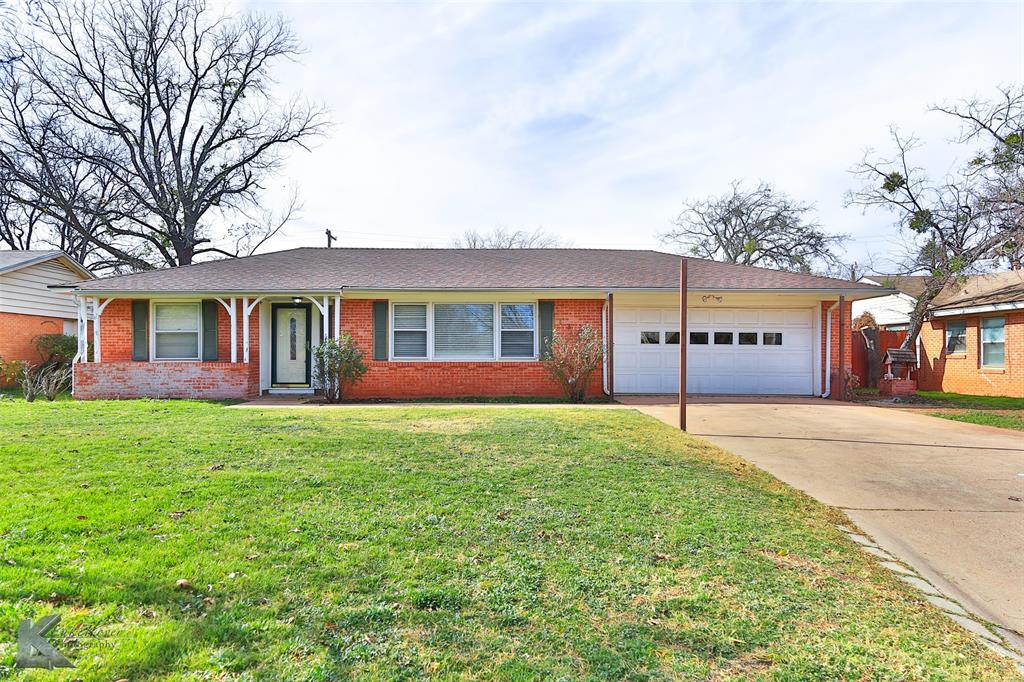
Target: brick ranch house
<point x="29" y="305"/>
<point x="450" y="322"/>
<point x="973" y="340"/>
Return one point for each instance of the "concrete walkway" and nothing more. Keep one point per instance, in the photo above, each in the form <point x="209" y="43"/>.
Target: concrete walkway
<point x="946" y="498"/>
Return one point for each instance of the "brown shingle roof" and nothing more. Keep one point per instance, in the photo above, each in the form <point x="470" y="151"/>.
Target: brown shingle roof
<point x="911" y="285"/>
<point x="991" y="289"/>
<point x="319" y="269"/>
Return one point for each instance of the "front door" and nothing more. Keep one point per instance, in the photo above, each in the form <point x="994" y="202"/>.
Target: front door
<point x="291" y="344"/>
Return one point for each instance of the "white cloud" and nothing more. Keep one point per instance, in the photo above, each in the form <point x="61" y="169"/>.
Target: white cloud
<point x="595" y="121"/>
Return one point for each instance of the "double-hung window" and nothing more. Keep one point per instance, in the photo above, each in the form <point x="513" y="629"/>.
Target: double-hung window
<point x="176" y="331"/>
<point x="993" y="342"/>
<point x="956" y="337"/>
<point x="518" y="330"/>
<point x="410" y="325"/>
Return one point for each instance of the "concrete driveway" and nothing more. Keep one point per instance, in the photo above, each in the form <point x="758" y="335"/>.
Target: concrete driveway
<point x="938" y="494"/>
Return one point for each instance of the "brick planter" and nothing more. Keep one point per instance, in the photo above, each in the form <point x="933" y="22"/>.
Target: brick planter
<point x="897" y="387"/>
<point x="196" y="380"/>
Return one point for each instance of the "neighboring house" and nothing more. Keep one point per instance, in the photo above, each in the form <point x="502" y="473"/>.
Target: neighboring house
<point x="891" y="312"/>
<point x="973" y="340"/>
<point x="29" y="306"/>
<point x="451" y="322"/>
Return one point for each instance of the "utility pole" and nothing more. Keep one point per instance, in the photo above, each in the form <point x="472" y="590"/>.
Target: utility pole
<point x="330" y="237"/>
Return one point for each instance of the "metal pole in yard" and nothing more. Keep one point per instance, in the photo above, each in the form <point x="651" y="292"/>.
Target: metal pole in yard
<point x="682" y="343"/>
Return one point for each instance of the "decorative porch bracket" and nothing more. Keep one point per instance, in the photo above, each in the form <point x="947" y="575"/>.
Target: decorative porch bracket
<point x="247" y="309"/>
<point x="322" y="307"/>
<point x="97" y="310"/>
<point x="230" y="307"/>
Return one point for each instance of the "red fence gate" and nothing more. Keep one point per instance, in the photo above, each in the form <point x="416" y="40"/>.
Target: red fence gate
<point x="867" y="364"/>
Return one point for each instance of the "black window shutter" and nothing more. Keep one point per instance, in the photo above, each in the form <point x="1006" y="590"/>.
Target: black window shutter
<point x="210" y="330"/>
<point x="140" y="331"/>
<point x="380" y="330"/>
<point x="547" y="326"/>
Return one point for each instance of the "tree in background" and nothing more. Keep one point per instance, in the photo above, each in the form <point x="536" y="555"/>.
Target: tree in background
<point x="139" y="126"/>
<point x="505" y="238"/>
<point x="969" y="221"/>
<point x="754" y="227"/>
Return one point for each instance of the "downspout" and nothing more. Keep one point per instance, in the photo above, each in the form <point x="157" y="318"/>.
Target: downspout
<point x="828" y="351"/>
<point x="604" y="347"/>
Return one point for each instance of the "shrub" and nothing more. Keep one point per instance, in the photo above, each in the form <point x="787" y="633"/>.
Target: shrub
<point x="10" y="371"/>
<point x="573" y="359"/>
<point x="336" y="365"/>
<point x="57" y="348"/>
<point x="46" y="379"/>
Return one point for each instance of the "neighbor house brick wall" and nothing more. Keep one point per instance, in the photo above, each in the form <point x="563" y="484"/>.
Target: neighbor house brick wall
<point x="118" y="376"/>
<point x="18" y="335"/>
<point x="834" y="341"/>
<point x="419" y="379"/>
<point x="963" y="373"/>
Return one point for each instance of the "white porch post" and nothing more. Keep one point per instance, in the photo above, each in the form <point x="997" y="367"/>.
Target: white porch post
<point x="247" y="309"/>
<point x="245" y="329"/>
<point x="234" y="332"/>
<point x="324" y="331"/>
<point x="83" y="331"/>
<point x="337" y="317"/>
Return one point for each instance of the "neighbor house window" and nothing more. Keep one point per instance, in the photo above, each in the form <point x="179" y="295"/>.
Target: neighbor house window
<point x="993" y="342"/>
<point x="518" y="329"/>
<point x="176" y="331"/>
<point x="464" y="331"/>
<point x="410" y="335"/>
<point x="956" y="336"/>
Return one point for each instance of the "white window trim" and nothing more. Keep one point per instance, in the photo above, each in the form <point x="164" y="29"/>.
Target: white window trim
<point x="981" y="342"/>
<point x="497" y="329"/>
<point x="500" y="329"/>
<point x="945" y="337"/>
<point x="153" y="331"/>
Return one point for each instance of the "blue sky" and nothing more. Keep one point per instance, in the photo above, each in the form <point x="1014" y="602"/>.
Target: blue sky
<point x="595" y="121"/>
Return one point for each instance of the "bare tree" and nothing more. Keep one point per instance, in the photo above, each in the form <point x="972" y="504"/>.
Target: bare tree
<point x="960" y="224"/>
<point x="757" y="227"/>
<point x="505" y="238"/>
<point x="152" y="119"/>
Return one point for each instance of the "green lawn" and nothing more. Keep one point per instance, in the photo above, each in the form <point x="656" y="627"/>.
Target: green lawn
<point x="975" y="402"/>
<point x="1006" y="413"/>
<point x="453" y="543"/>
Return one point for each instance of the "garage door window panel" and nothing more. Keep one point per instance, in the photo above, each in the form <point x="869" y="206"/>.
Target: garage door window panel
<point x="650" y="338"/>
<point x="723" y="338"/>
<point x="672" y="338"/>
<point x="748" y="338"/>
<point x="698" y="338"/>
<point x="771" y="339"/>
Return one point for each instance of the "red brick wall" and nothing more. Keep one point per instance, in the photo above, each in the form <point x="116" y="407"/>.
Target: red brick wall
<point x="18" y="334"/>
<point x="834" y="341"/>
<point x="198" y="380"/>
<point x="417" y="379"/>
<point x="117" y="376"/>
<point x="963" y="373"/>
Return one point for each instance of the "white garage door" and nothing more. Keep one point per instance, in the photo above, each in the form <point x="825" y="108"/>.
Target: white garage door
<point x="738" y="351"/>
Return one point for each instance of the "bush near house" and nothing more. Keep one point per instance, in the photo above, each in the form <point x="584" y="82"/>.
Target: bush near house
<point x="183" y="540"/>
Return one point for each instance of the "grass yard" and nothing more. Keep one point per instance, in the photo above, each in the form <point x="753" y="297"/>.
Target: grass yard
<point x="1006" y="413"/>
<point x="380" y="542"/>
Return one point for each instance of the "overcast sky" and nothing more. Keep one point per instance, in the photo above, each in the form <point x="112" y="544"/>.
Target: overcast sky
<point x="595" y="121"/>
